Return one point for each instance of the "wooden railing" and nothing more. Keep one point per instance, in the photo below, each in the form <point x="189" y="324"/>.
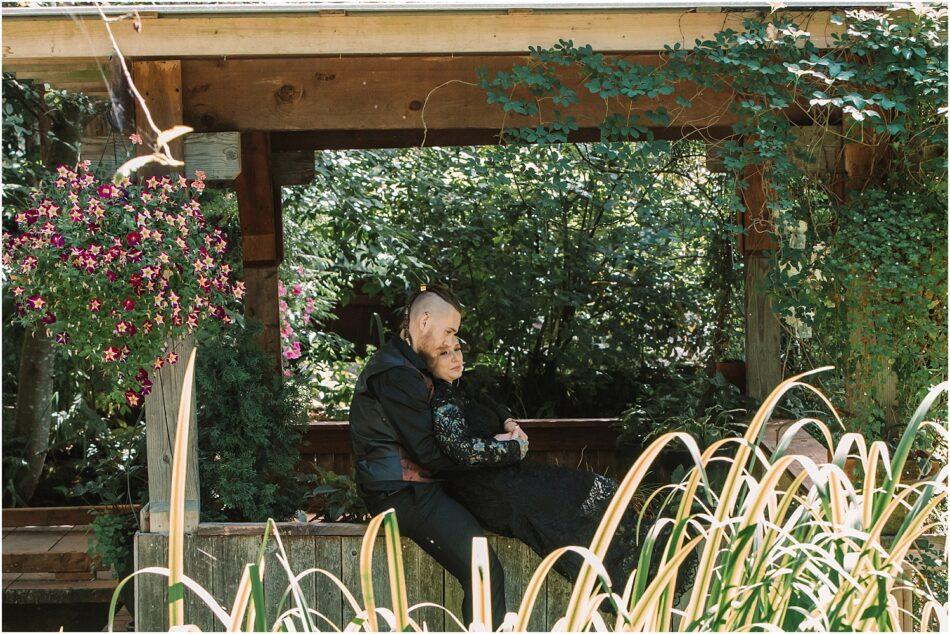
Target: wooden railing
<point x="585" y="443"/>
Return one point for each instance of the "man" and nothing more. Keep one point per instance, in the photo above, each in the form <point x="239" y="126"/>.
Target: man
<point x="397" y="457"/>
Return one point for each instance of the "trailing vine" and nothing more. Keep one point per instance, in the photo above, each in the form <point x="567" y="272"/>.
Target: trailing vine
<point x="859" y="275"/>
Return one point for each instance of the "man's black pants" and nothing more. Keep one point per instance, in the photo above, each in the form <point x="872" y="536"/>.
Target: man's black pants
<point x="443" y="528"/>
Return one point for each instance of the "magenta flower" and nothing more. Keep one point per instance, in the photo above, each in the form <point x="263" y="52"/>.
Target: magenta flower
<point x="134" y="255"/>
<point x="128" y="305"/>
<point x="95" y="304"/>
<point x="57" y="241"/>
<point x="133" y="398"/>
<point x="105" y="191"/>
<point x="133" y="238"/>
<point x="49" y="318"/>
<point x="141" y="375"/>
<point x="124" y="328"/>
<point x="35" y="302"/>
<point x="111" y="275"/>
<point x="146" y="387"/>
<point x="31" y="215"/>
<point x="110" y="354"/>
<point x="62" y="337"/>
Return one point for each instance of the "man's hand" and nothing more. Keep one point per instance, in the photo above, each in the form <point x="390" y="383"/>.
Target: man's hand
<point x="515" y="430"/>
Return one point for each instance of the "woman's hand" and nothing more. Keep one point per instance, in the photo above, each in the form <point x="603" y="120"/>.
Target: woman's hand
<point x="515" y="430"/>
<point x="522" y="442"/>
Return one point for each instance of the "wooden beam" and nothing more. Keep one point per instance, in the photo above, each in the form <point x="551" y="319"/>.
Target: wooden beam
<point x="161" y="423"/>
<point x="292" y="168"/>
<point x="262" y="237"/>
<point x="763" y="332"/>
<point x="159" y="82"/>
<point x="406" y="93"/>
<point x="759" y="230"/>
<point x="376" y="33"/>
<point x="217" y="154"/>
<point x="258" y="205"/>
<point x="261" y="303"/>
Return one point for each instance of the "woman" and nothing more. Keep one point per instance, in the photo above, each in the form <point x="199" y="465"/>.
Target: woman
<point x="545" y="506"/>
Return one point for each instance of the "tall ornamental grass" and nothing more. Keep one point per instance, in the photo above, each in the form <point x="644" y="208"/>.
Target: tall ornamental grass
<point x="772" y="551"/>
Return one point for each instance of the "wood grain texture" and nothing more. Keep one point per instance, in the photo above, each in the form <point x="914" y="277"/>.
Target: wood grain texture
<point x="375" y="33"/>
<point x="161" y="423"/>
<point x="159" y="83"/>
<point x="200" y="566"/>
<point x="763" y="331"/>
<point x="403" y="93"/>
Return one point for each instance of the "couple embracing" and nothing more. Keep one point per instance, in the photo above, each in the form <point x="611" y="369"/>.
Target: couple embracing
<point x="451" y="461"/>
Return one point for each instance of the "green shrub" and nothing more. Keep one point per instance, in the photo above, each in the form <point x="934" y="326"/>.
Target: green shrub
<point x="249" y="431"/>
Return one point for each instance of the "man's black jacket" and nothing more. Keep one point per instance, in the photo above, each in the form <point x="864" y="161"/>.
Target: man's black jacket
<point x="390" y="409"/>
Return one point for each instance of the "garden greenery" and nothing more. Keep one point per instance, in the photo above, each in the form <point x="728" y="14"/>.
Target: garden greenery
<point x="583" y="268"/>
<point x="860" y="267"/>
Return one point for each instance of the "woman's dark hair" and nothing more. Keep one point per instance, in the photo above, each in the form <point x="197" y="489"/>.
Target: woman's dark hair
<point x="443" y="292"/>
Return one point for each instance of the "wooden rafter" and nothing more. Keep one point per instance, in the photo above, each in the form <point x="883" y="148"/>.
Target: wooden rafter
<point x="373" y="33"/>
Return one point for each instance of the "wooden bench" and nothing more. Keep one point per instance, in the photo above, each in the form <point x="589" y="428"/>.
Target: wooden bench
<point x="586" y="443"/>
<point x="216" y="554"/>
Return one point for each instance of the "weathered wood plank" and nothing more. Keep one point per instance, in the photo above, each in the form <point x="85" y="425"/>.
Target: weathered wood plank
<point x="217" y="154"/>
<point x="161" y="423"/>
<point x="452" y="601"/>
<point x="232" y="555"/>
<point x="200" y="566"/>
<point x="519" y="563"/>
<point x="424" y="582"/>
<point x="59" y="515"/>
<point x="558" y="593"/>
<point x="326" y="596"/>
<point x="351" y="574"/>
<point x="151" y="591"/>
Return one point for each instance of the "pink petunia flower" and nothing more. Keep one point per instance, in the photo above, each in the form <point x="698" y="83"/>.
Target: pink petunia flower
<point x="133" y="398"/>
<point x="35" y="302"/>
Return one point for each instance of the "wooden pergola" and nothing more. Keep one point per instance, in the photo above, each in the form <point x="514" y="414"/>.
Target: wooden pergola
<point x="265" y="86"/>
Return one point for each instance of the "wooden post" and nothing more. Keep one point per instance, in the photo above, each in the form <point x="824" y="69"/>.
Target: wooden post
<point x="159" y="82"/>
<point x="863" y="164"/>
<point x="262" y="242"/>
<point x="763" y="330"/>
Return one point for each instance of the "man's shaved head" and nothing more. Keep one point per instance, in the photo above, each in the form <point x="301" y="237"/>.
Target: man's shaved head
<point x="434" y="318"/>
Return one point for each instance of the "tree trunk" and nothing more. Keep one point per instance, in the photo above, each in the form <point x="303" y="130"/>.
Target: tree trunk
<point x="35" y="380"/>
<point x="33" y="409"/>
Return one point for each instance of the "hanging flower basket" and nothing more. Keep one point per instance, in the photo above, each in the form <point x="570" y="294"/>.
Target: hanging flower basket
<point x="114" y="271"/>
